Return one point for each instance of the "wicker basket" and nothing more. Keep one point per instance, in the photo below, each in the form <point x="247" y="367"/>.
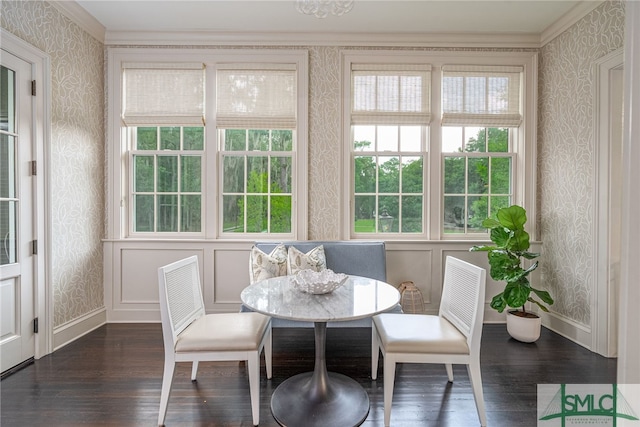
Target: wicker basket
<point x="411" y="298"/>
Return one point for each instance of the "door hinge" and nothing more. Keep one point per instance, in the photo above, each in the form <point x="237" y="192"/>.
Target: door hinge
<point x="35" y="325"/>
<point x="34" y="247"/>
<point x="34" y="167"/>
<point x="33" y="88"/>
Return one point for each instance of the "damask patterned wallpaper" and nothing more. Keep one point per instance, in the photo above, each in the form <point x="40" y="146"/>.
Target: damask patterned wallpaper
<point x="566" y="163"/>
<point x="76" y="176"/>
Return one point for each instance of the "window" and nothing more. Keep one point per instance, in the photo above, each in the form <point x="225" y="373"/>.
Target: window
<point x="436" y="145"/>
<point x="477" y="175"/>
<point x="256" y="190"/>
<point x="166" y="161"/>
<point x="389" y="115"/>
<point x="480" y="106"/>
<point x="167" y="179"/>
<point x="209" y="143"/>
<point x="256" y="124"/>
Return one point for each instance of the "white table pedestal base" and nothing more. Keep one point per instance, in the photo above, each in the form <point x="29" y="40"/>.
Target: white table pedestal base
<point x="320" y="398"/>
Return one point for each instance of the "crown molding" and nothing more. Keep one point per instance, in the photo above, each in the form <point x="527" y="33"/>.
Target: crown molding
<point x="432" y="40"/>
<point x="81" y="17"/>
<point x="567" y="20"/>
<point x="86" y="21"/>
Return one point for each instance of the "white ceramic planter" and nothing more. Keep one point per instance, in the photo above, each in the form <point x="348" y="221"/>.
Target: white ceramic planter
<point x="523" y="328"/>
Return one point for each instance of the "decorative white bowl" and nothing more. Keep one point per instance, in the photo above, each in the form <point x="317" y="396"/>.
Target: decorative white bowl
<point x="318" y="282"/>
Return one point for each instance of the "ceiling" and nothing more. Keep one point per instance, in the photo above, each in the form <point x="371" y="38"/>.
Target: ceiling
<point x="367" y="16"/>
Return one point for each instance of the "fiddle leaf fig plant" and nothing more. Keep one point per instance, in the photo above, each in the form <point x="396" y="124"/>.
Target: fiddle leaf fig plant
<point x="506" y="259"/>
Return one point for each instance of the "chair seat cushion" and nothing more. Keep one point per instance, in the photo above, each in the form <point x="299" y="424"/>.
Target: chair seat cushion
<point x="223" y="331"/>
<point x="419" y="333"/>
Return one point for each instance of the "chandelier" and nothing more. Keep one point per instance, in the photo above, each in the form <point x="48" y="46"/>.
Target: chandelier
<point x="322" y="8"/>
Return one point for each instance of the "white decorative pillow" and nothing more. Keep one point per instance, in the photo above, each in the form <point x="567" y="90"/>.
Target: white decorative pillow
<point x="265" y="266"/>
<point x="312" y="260"/>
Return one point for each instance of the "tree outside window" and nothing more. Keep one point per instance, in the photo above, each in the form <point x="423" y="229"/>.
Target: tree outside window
<point x="477" y="176"/>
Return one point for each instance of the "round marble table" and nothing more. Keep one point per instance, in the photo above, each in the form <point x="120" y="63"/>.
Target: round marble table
<point x="320" y="398"/>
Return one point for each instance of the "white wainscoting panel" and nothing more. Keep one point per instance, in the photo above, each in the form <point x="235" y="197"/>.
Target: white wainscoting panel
<point x="139" y="274"/>
<point x="414" y="264"/>
<point x="231" y="276"/>
<point x="131" y="284"/>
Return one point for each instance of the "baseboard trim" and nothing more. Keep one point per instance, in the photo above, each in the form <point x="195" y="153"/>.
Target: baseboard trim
<point x="71" y="331"/>
<point x="568" y="328"/>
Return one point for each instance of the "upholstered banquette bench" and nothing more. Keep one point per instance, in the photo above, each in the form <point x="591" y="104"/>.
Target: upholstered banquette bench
<point x="357" y="258"/>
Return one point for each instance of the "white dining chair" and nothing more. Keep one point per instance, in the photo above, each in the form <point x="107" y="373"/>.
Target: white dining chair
<point x="451" y="337"/>
<point x="190" y="335"/>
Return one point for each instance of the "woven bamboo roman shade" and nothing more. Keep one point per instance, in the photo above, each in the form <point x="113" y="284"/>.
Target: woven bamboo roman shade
<point x="256" y="96"/>
<point x="481" y="95"/>
<point x="163" y="94"/>
<point x="390" y="93"/>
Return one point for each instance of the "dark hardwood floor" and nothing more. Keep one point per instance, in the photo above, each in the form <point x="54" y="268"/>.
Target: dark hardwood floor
<point x="113" y="376"/>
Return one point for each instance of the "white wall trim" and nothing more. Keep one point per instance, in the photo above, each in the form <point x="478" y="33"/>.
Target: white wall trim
<point x="208" y="38"/>
<point x="568" y="328"/>
<point x="80" y="17"/>
<point x="41" y="69"/>
<point x="628" y="341"/>
<point x="71" y="331"/>
<point x="578" y="12"/>
<point x="86" y="21"/>
<point x="603" y="305"/>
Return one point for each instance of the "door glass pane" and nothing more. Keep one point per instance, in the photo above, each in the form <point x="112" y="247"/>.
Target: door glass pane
<point x="7" y="100"/>
<point x="8" y="210"/>
<point x="8" y="200"/>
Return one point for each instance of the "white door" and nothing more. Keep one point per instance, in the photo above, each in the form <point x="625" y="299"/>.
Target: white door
<point x="17" y="337"/>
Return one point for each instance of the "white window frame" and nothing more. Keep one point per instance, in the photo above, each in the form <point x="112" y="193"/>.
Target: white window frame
<point x="132" y="153"/>
<point x="118" y="175"/>
<point x="524" y="165"/>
